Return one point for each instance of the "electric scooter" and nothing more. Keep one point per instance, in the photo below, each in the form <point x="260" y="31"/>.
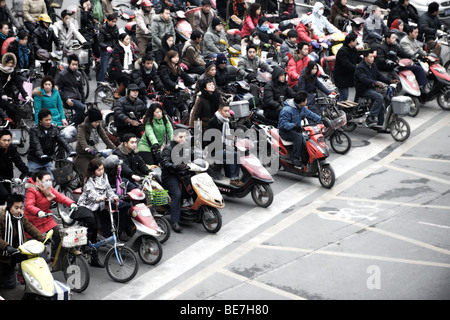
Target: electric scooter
<point x="409" y="85"/>
<point x="255" y="177"/>
<point x="438" y="85"/>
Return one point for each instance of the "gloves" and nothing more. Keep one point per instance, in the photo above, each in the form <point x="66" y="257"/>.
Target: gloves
<point x="155" y="147"/>
<point x="297" y="128"/>
<point x="91" y="151"/>
<point x="29" y="99"/>
<point x="109" y="49"/>
<point x="72" y="154"/>
<point x="182" y="167"/>
<point x="11" y="250"/>
<point x="86" y="45"/>
<point x="250" y="77"/>
<point x="44" y="157"/>
<point x="5" y="97"/>
<point x="41" y="214"/>
<point x="315" y="44"/>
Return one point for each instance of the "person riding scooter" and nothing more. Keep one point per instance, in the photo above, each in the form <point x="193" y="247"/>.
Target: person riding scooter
<point x="290" y="127"/>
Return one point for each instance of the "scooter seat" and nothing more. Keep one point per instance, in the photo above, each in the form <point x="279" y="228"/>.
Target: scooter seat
<point x="286" y="143"/>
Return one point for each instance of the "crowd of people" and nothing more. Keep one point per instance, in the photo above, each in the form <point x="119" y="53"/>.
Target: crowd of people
<point x="155" y="64"/>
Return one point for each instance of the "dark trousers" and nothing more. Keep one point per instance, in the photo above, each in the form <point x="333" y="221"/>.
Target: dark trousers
<point x="299" y="148"/>
<point x="377" y="109"/>
<point x="172" y="184"/>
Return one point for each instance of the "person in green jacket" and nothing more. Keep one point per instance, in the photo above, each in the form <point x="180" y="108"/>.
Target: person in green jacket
<point x="157" y="126"/>
<point x="46" y="96"/>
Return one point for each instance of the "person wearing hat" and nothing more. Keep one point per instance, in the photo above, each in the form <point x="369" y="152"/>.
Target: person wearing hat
<point x="320" y="23"/>
<point x="89" y="134"/>
<point x="144" y="19"/>
<point x="211" y="40"/>
<point x="222" y="76"/>
<point x="128" y="111"/>
<point x="265" y="33"/>
<point x="191" y="53"/>
<point x="66" y="31"/>
<point x="305" y="31"/>
<point x="203" y="18"/>
<point x="43" y="39"/>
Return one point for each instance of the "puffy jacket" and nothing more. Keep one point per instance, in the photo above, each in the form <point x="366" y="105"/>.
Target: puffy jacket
<point x="254" y="64"/>
<point x="346" y="61"/>
<point x="70" y="85"/>
<point x="32" y="9"/>
<point x="295" y="66"/>
<point x="211" y="42"/>
<point x="274" y="89"/>
<point x="290" y="116"/>
<point x="250" y="24"/>
<point x="144" y="22"/>
<point x="429" y="25"/>
<point x="108" y="36"/>
<point x="160" y="27"/>
<point x="44" y="40"/>
<point x="382" y="55"/>
<point x="170" y="80"/>
<point x="155" y="134"/>
<point x="365" y="76"/>
<point x="320" y="22"/>
<point x="53" y="103"/>
<point x="36" y="201"/>
<point x="305" y="34"/>
<point x="143" y="78"/>
<point x="133" y="164"/>
<point x="8" y="157"/>
<point x="10" y="80"/>
<point x="117" y="59"/>
<point x="42" y="142"/>
<point x="124" y="106"/>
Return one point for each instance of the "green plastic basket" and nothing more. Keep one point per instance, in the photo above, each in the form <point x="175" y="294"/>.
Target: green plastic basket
<point x="158" y="197"/>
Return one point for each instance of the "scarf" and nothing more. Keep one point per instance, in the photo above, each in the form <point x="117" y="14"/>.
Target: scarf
<point x="225" y="129"/>
<point x="7" y="70"/>
<point x="128" y="57"/>
<point x="9" y="230"/>
<point x="23" y="56"/>
<point x="264" y="28"/>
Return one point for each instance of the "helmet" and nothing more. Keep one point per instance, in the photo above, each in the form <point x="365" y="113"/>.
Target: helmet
<point x="146" y="3"/>
<point x="45" y="18"/>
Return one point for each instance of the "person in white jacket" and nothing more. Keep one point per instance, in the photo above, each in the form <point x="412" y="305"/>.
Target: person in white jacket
<point x="65" y="30"/>
<point x="320" y="22"/>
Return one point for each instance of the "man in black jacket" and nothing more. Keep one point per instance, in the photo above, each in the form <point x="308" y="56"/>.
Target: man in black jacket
<point x="347" y="59"/>
<point x="147" y="79"/>
<point x="128" y="111"/>
<point x="8" y="158"/>
<point x="107" y="38"/>
<point x="133" y="166"/>
<point x="367" y="77"/>
<point x="71" y="89"/>
<point x="44" y="138"/>
<point x="274" y="91"/>
<point x="429" y="24"/>
<point x="402" y="11"/>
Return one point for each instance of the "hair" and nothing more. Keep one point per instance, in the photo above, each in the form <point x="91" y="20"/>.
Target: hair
<point x="93" y="165"/>
<point x="8" y="58"/>
<point x="252" y="9"/>
<point x="261" y="20"/>
<point x="148" y="118"/>
<point x="300" y="97"/>
<point x="223" y="106"/>
<point x="350" y="37"/>
<point x="111" y="17"/>
<point x="3" y="23"/>
<point x="196" y="34"/>
<point x="39" y="175"/>
<point x="5" y="132"/>
<point x="433" y="7"/>
<point x="164" y="7"/>
<point x="43" y="113"/>
<point x="292" y="34"/>
<point x="65" y="13"/>
<point x="411" y="28"/>
<point x="47" y="78"/>
<point x="127" y="136"/>
<point x="148" y="57"/>
<point x="72" y="57"/>
<point x="13" y="198"/>
<point x="388" y="34"/>
<point x="22" y="34"/>
<point x="367" y="52"/>
<point x="301" y="44"/>
<point x="172" y="53"/>
<point x="308" y="75"/>
<point x="252" y="46"/>
<point x="122" y="36"/>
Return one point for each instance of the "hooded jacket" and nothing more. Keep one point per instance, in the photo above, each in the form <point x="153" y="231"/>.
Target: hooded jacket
<point x="9" y="78"/>
<point x="160" y="54"/>
<point x="320" y="22"/>
<point x="290" y="116"/>
<point x="274" y="89"/>
<point x="160" y="27"/>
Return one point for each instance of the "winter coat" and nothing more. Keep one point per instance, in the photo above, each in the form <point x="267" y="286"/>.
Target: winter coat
<point x="108" y="36"/>
<point x="250" y="24"/>
<point x="36" y="201"/>
<point x="124" y="106"/>
<point x="167" y="166"/>
<point x="143" y="23"/>
<point x="254" y="64"/>
<point x="295" y="66"/>
<point x="70" y="85"/>
<point x="42" y="142"/>
<point x="290" y="116"/>
<point x="373" y="30"/>
<point x="204" y="108"/>
<point x="28" y="227"/>
<point x="274" y="89"/>
<point x="337" y="15"/>
<point x="287" y="49"/>
<point x="52" y="103"/>
<point x="142" y="78"/>
<point x="344" y="69"/>
<point x="67" y="34"/>
<point x="320" y="22"/>
<point x="170" y="80"/>
<point x="117" y="59"/>
<point x="155" y="134"/>
<point x="192" y="55"/>
<point x="266" y="37"/>
<point x="8" y="158"/>
<point x="311" y="87"/>
<point x="159" y="28"/>
<point x="14" y="48"/>
<point x="211" y="42"/>
<point x="403" y="13"/>
<point x="94" y="188"/>
<point x="7" y="16"/>
<point x="429" y="24"/>
<point x="160" y="54"/>
<point x="87" y="24"/>
<point x="201" y="21"/>
<point x="305" y="34"/>
<point x="410" y="46"/>
<point x="382" y="55"/>
<point x="133" y="164"/>
<point x="44" y="40"/>
<point x="222" y="78"/>
<point x="10" y="80"/>
<point x="365" y="77"/>
<point x="32" y="9"/>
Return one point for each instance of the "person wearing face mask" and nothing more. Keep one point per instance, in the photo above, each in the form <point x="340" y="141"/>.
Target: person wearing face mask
<point x="266" y="35"/>
<point x="374" y="28"/>
<point x="144" y="19"/>
<point x="146" y="77"/>
<point x="320" y="24"/>
<point x="39" y="196"/>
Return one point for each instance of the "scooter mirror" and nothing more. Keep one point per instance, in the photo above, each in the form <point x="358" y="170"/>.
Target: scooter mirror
<point x="49" y="235"/>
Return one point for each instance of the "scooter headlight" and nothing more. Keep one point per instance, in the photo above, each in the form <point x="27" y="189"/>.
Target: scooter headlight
<point x="32" y="280"/>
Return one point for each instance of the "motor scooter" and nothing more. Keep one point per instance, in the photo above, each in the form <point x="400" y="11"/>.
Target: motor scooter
<point x="201" y="197"/>
<point x="39" y="282"/>
<point x="438" y="85"/>
<point x="408" y="85"/>
<point x="256" y="179"/>
<point x="357" y="113"/>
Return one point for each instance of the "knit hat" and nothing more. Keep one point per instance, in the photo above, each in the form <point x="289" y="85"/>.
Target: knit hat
<point x="94" y="114"/>
<point x="221" y="58"/>
<point x="215" y="22"/>
<point x="306" y="19"/>
<point x="209" y="64"/>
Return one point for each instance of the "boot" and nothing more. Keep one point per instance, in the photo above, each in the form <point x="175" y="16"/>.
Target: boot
<point x="118" y="93"/>
<point x="95" y="261"/>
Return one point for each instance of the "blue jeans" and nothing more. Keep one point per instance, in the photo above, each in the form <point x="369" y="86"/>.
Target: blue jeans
<point x="377" y="109"/>
<point x="80" y="110"/>
<point x="104" y="61"/>
<point x="172" y="184"/>
<point x="299" y="148"/>
<point x="35" y="166"/>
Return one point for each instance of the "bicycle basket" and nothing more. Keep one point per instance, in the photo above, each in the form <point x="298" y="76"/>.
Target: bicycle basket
<point x="158" y="197"/>
<point x="73" y="236"/>
<point x="26" y="111"/>
<point x="63" y="175"/>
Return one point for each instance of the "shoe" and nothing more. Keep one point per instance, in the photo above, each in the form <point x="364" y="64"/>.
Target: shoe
<point x="176" y="228"/>
<point x="297" y="163"/>
<point x="101" y="94"/>
<point x="236" y="183"/>
<point x="123" y="236"/>
<point x="95" y="261"/>
<point x="384" y="131"/>
<point x="371" y="121"/>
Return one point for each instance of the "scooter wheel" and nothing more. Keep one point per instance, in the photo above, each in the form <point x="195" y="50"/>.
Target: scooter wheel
<point x="350" y="126"/>
<point x="340" y="142"/>
<point x="150" y="250"/>
<point x="262" y="195"/>
<point x="443" y="99"/>
<point x="165" y="226"/>
<point x="415" y="107"/>
<point x="326" y="176"/>
<point x="211" y="219"/>
<point x="400" y="129"/>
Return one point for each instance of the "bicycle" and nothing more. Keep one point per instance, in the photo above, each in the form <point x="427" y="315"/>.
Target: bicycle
<point x="121" y="262"/>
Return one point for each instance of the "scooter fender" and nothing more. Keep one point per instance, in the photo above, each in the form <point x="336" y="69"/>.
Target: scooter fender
<point x="36" y="270"/>
<point x="144" y="221"/>
<point x="144" y="229"/>
<point x="207" y="192"/>
<point x="409" y="83"/>
<point x="440" y="73"/>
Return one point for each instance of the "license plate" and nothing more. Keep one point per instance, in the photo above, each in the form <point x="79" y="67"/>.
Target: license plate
<point x="16" y="136"/>
<point x="447" y="12"/>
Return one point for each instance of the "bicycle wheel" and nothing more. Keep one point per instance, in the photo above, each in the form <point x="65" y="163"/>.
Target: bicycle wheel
<point x="340" y="142"/>
<point x="104" y="97"/>
<point x="85" y="82"/>
<point x="121" y="263"/>
<point x="76" y="271"/>
<point x="22" y="148"/>
<point x="150" y="250"/>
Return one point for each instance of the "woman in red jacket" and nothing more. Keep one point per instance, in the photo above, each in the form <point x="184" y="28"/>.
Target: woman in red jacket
<point x="39" y="196"/>
<point x="251" y="20"/>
